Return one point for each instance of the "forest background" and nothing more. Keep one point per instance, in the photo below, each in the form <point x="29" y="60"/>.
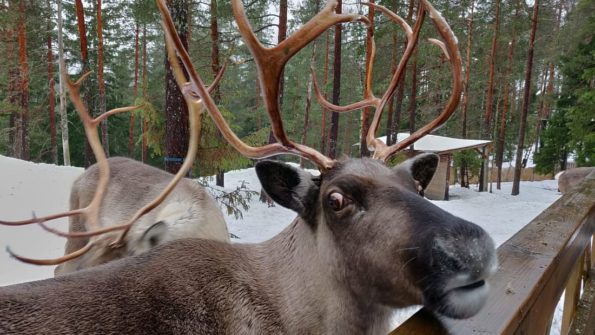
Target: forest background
<point x="529" y="86"/>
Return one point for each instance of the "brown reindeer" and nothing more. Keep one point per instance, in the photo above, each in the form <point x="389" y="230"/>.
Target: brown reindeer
<point x="189" y="211"/>
<point x="364" y="242"/>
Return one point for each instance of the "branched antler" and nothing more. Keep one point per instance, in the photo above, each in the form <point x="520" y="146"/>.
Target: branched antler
<point x="270" y="63"/>
<point x="450" y="50"/>
<point x="91" y="211"/>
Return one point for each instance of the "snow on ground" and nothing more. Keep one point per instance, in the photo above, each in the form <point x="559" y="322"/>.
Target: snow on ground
<point x="27" y="187"/>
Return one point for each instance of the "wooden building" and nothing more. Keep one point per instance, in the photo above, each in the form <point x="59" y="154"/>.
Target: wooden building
<point x="445" y="147"/>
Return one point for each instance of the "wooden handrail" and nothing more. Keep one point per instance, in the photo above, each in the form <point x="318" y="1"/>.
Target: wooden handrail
<point x="536" y="265"/>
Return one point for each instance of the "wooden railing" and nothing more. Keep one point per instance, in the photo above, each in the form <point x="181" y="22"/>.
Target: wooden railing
<point x="553" y="253"/>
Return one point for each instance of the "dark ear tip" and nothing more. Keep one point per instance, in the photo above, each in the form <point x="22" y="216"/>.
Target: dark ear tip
<point x="262" y="166"/>
<point x="431" y="159"/>
<point x="434" y="158"/>
<point x="264" y="163"/>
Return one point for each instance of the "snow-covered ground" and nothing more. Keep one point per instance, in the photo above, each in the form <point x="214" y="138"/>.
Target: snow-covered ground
<point x="26" y="187"/>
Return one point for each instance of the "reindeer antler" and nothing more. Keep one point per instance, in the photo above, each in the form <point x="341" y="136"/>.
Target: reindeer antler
<point x="91" y="212"/>
<point x="450" y="49"/>
<point x="270" y="63"/>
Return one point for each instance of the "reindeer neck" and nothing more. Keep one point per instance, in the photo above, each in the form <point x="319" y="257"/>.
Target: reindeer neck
<point x="302" y="269"/>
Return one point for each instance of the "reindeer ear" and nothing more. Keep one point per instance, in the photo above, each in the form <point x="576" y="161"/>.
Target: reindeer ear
<point x="152" y="236"/>
<point x="422" y="168"/>
<point x="286" y="185"/>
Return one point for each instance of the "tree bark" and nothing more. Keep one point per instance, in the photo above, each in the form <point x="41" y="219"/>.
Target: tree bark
<point x="281" y="36"/>
<point x="101" y="80"/>
<point x="215" y="67"/>
<point x="540" y="118"/>
<point x="308" y="106"/>
<point x="392" y="120"/>
<point x="492" y="71"/>
<point x="23" y="134"/>
<point x="334" y="130"/>
<point x="544" y="112"/>
<point x="80" y="18"/>
<point x="467" y="70"/>
<point x="323" y="132"/>
<point x="176" y="111"/>
<point x="365" y="126"/>
<point x="526" y="101"/>
<point x="401" y="85"/>
<point x="463" y="175"/>
<point x="413" y="101"/>
<point x="62" y="93"/>
<point x="51" y="89"/>
<point x="135" y="90"/>
<point x="489" y="104"/>
<point x="145" y="125"/>
<point x="504" y="113"/>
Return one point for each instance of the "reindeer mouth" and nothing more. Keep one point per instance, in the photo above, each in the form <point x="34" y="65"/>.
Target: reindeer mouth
<point x="472" y="286"/>
<point x="459" y="299"/>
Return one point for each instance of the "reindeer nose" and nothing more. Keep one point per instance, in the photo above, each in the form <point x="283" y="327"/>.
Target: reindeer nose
<point x="462" y="258"/>
<point x="466" y="249"/>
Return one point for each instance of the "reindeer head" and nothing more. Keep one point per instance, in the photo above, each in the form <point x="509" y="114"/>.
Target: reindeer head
<point x="383" y="239"/>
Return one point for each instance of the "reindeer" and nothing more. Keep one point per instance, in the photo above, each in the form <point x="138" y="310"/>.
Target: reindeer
<point x="188" y="211"/>
<point x="364" y="241"/>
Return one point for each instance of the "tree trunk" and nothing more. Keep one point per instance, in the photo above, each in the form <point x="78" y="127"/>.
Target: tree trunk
<point x="80" y="18"/>
<point x="323" y="132"/>
<point x="464" y="180"/>
<point x="365" y="126"/>
<point x="24" y="85"/>
<point x="540" y="110"/>
<point x="489" y="105"/>
<point x="504" y="113"/>
<point x="51" y="89"/>
<point x="135" y="88"/>
<point x="62" y="93"/>
<point x="145" y="125"/>
<point x="12" y="88"/>
<point x="215" y="67"/>
<point x="282" y="35"/>
<point x="176" y="111"/>
<point x="526" y="101"/>
<point x="280" y="38"/>
<point x="401" y="85"/>
<point x="101" y="80"/>
<point x="413" y="103"/>
<point x="308" y="105"/>
<point x="392" y="120"/>
<point x="334" y="131"/>
<point x="13" y="100"/>
<point x="545" y="109"/>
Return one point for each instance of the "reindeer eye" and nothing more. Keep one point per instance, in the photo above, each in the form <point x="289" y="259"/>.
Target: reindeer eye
<point x="338" y="201"/>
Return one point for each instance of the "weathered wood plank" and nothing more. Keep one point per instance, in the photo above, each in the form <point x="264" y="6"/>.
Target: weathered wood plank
<point x="535" y="265"/>
<point x="572" y="296"/>
<point x="585" y="319"/>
